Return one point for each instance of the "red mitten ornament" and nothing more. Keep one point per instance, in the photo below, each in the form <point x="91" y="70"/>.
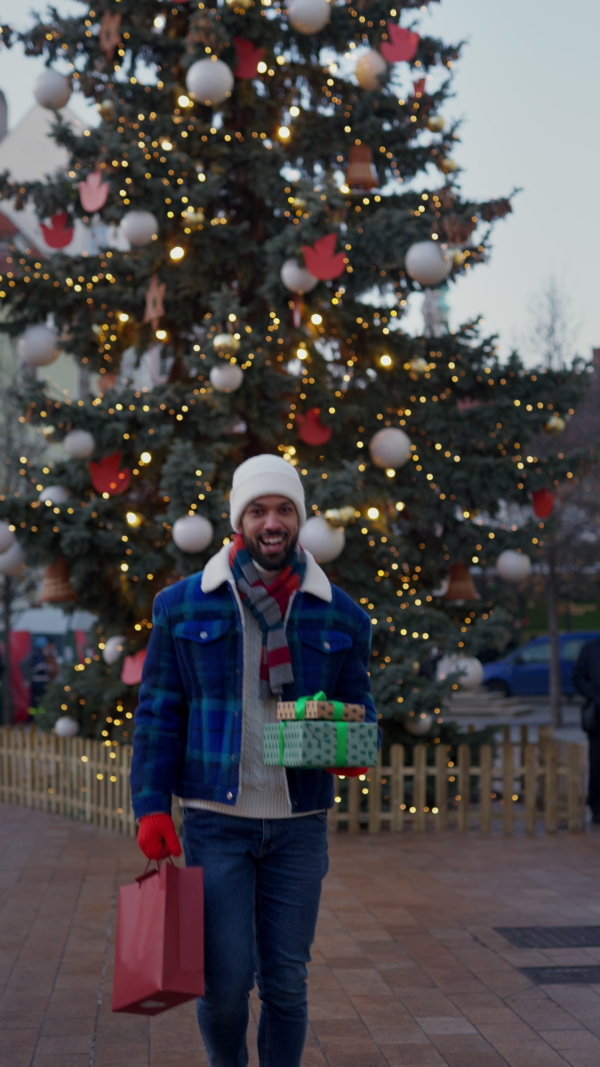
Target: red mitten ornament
<point x="93" y="192"/>
<point x="310" y="428"/>
<point x="157" y="837"/>
<point x="131" y="673"/>
<point x="321" y="259"/>
<point x="401" y="46"/>
<point x="248" y="58"/>
<point x="58" y="233"/>
<point x="107" y="477"/>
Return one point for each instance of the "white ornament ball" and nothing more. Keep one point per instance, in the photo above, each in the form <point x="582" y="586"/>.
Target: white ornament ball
<point x="513" y="566"/>
<point x="418" y="725"/>
<point x="326" y="542"/>
<point x="52" y="90"/>
<point x="56" y="494"/>
<point x="13" y="560"/>
<point x="226" y="377"/>
<point x="113" y="649"/>
<point x="471" y="670"/>
<point x="66" y="726"/>
<point x="296" y="278"/>
<point x="192" y="533"/>
<point x="139" y="227"/>
<point x="390" y="448"/>
<point x="308" y="16"/>
<point x="210" y="81"/>
<point x="7" y="537"/>
<point x="370" y="69"/>
<point x="427" y="263"/>
<point x="79" y="444"/>
<point x="38" y="346"/>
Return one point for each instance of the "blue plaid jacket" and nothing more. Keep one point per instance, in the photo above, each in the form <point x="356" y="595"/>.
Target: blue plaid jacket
<point x="188" y="725"/>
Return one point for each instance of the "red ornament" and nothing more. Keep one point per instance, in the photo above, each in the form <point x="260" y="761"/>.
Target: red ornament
<point x="155" y="301"/>
<point x="107" y="477"/>
<point x="322" y="261"/>
<point x="543" y="503"/>
<point x="58" y="234"/>
<point x="311" y="430"/>
<point x="402" y="44"/>
<point x="93" y="192"/>
<point x="131" y="673"/>
<point x="248" y="58"/>
<point x="109" y="36"/>
<point x="419" y="86"/>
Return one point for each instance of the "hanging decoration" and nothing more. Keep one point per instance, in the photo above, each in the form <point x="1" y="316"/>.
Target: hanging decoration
<point x="7" y="537"/>
<point x="65" y="726"/>
<point x="52" y="90"/>
<point x="193" y="217"/>
<point x="38" y="346"/>
<point x="461" y="586"/>
<point x="248" y="58"/>
<point x="109" y="36"/>
<point x="296" y="278"/>
<point x="79" y="444"/>
<point x="402" y="45"/>
<point x="226" y="377"/>
<point x="225" y="344"/>
<point x="513" y="566"/>
<point x="13" y="560"/>
<point x="55" y="494"/>
<point x="58" y="233"/>
<point x="131" y="673"/>
<point x="543" y="503"/>
<point x="370" y="69"/>
<point x="427" y="263"/>
<point x="308" y="16"/>
<point x="107" y="477"/>
<point x="93" y="192"/>
<point x="340" y="516"/>
<point x="390" y="448"/>
<point x="321" y="259"/>
<point x="419" y="725"/>
<point x="470" y="668"/>
<point x="210" y="81"/>
<point x="192" y="533"/>
<point x="555" y="424"/>
<point x="155" y="306"/>
<point x="361" y="174"/>
<point x="417" y="367"/>
<point x="139" y="227"/>
<point x="57" y="587"/>
<point x="113" y="649"/>
<point x="324" y="541"/>
<point x="419" y="86"/>
<point x="310" y="428"/>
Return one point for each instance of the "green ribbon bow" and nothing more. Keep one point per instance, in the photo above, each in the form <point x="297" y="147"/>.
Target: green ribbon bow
<point x="341" y="741"/>
<point x="338" y="706"/>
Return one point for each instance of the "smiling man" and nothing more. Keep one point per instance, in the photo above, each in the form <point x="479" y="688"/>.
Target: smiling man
<point x="261" y="621"/>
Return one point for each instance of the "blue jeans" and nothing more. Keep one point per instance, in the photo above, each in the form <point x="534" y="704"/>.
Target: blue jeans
<point x="262" y="885"/>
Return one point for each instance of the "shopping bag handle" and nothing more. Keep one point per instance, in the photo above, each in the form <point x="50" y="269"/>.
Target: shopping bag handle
<point x="156" y="870"/>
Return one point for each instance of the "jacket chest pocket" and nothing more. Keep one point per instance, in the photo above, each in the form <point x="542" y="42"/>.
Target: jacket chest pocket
<point x="206" y="650"/>
<point x="324" y="654"/>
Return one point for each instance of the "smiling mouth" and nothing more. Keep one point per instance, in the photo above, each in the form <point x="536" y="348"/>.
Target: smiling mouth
<point x="273" y="542"/>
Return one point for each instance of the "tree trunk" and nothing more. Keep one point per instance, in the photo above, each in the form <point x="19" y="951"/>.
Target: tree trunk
<point x="554" y="664"/>
<point x="7" y="701"/>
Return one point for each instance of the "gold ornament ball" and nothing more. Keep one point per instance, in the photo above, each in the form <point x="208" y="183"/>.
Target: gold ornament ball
<point x="448" y="165"/>
<point x="107" y="109"/>
<point x="226" y="344"/>
<point x="243" y="5"/>
<point x="555" y="424"/>
<point x="459" y="258"/>
<point x="417" y="367"/>
<point x="340" y="517"/>
<point x="436" y="123"/>
<point x="193" y="217"/>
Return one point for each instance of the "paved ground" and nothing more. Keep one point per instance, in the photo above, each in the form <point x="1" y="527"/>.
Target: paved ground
<point x="406" y="972"/>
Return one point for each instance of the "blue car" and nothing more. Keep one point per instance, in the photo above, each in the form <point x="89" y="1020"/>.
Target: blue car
<point x="525" y="672"/>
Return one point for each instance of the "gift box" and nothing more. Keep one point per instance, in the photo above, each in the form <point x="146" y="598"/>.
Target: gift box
<point x="318" y="707"/>
<point x="320" y="744"/>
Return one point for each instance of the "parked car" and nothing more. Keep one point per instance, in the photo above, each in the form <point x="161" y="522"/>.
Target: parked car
<point x="526" y="672"/>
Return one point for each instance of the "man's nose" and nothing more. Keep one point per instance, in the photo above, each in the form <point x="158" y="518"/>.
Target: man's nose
<point x="272" y="522"/>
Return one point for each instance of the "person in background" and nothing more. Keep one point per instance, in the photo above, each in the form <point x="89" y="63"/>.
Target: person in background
<point x="586" y="679"/>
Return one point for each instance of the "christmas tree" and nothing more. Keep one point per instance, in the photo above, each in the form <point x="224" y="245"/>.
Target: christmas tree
<point x="282" y="180"/>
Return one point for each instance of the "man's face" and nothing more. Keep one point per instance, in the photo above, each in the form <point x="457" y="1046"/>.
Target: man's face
<point x="270" y="528"/>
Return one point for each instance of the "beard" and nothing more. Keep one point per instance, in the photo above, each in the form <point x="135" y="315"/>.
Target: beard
<point x="272" y="561"/>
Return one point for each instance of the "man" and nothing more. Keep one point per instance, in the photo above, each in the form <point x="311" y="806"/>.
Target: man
<point x="262" y="620"/>
<point x="586" y="679"/>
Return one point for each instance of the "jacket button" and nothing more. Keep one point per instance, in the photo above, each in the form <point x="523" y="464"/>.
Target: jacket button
<point x="234" y="759"/>
<point x="203" y="633"/>
<point x="235" y="714"/>
<point x="230" y="796"/>
<point x="326" y="644"/>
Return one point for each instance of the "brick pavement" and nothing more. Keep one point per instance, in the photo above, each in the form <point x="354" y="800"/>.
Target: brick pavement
<point x="406" y="972"/>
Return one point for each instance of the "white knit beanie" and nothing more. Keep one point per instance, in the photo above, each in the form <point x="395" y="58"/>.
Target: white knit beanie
<point x="265" y="476"/>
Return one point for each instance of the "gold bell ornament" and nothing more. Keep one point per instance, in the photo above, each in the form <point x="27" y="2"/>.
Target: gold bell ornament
<point x="57" y="588"/>
<point x="361" y="173"/>
<point x="555" y="424"/>
<point x="436" y="123"/>
<point x="461" y="585"/>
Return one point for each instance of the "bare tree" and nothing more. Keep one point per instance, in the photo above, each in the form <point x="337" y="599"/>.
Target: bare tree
<point x="554" y="327"/>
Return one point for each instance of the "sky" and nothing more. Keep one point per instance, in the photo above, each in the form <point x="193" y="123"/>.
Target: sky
<point x="527" y="89"/>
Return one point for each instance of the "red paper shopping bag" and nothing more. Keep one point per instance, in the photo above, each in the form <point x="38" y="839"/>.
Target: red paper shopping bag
<point x="159" y="950"/>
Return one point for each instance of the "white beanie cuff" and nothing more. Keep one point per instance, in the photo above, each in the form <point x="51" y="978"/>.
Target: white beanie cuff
<point x="265" y="475"/>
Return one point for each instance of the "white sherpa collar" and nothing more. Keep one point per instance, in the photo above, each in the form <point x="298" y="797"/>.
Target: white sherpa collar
<point x="218" y="571"/>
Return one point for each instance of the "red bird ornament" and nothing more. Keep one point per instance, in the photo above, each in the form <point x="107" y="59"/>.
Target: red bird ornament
<point x="322" y="261"/>
<point x="311" y="430"/>
<point x="402" y="45"/>
<point x="248" y="58"/>
<point x="58" y="233"/>
<point x="107" y="476"/>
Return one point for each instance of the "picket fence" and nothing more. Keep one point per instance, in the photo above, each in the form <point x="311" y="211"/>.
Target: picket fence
<point x="518" y="786"/>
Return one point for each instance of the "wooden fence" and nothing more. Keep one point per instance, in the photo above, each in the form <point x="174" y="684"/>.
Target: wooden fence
<point x="528" y="786"/>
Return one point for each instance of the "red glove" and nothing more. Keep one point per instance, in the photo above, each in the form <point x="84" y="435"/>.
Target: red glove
<point x="350" y="772"/>
<point x="157" y="838"/>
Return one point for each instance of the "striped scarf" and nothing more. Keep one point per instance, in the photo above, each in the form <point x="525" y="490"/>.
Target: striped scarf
<point x="268" y="604"/>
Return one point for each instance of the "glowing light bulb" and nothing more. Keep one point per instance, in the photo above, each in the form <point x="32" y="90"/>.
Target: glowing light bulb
<point x="400" y="505"/>
<point x="283" y="132"/>
<point x="386" y="361"/>
<point x="262" y="68"/>
<point x="373" y="513"/>
<point x="133" y="519"/>
<point x="177" y="253"/>
<point x="294" y="111"/>
<point x="146" y="457"/>
<point x="391" y="473"/>
<point x="184" y="101"/>
<point x="167" y="146"/>
<point x="301" y="353"/>
<point x="123" y="316"/>
<point x="161" y="335"/>
<point x="316" y="319"/>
